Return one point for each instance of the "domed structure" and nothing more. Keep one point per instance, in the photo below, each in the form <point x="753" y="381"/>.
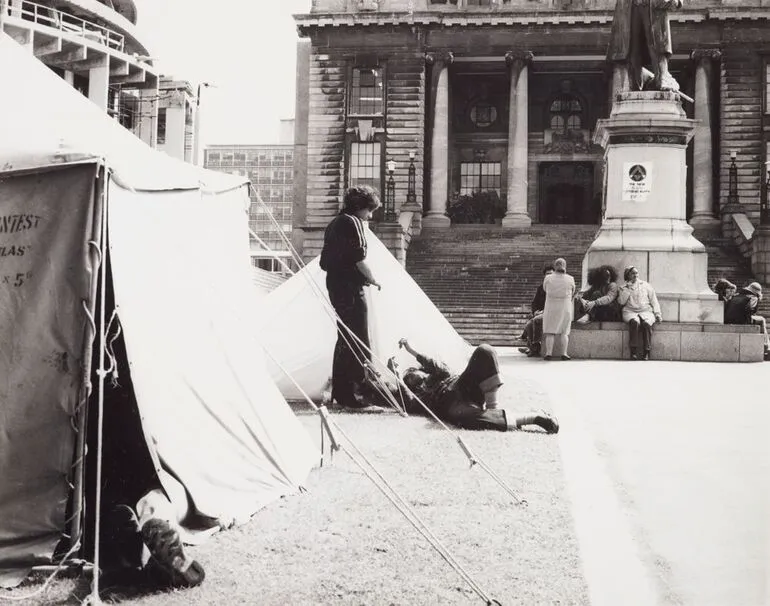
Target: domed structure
<point x="96" y="47"/>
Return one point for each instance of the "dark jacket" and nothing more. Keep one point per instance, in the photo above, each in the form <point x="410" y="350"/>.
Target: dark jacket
<point x="344" y="246"/>
<point x="538" y="302"/>
<point x="740" y="308"/>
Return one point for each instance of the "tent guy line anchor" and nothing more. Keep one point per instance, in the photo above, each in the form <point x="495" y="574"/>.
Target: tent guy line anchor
<point x="360" y="460"/>
<point x="316" y="290"/>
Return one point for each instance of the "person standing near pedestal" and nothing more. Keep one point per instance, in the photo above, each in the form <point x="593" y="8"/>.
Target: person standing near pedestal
<point x="343" y="258"/>
<point x="557" y="315"/>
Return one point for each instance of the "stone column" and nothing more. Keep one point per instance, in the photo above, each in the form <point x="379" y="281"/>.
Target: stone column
<point x="518" y="144"/>
<point x="703" y="157"/>
<point x="436" y="216"/>
<point x="98" y="84"/>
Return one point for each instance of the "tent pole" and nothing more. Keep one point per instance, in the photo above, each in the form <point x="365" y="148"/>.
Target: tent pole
<point x="94" y="598"/>
<point x="95" y="259"/>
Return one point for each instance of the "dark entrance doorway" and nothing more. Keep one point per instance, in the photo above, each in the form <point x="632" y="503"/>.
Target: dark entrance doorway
<point x="567" y="193"/>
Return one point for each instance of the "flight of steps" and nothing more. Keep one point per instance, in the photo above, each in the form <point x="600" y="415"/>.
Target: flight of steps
<point x="725" y="261"/>
<point x="483" y="277"/>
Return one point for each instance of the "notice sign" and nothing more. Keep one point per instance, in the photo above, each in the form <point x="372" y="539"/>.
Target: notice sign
<point x="637" y="181"/>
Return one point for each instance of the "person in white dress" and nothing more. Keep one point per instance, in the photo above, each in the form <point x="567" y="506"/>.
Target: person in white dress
<point x="640" y="311"/>
<point x="557" y="316"/>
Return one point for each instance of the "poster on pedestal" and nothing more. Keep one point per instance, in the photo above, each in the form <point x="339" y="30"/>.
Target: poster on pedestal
<point x="637" y="181"/>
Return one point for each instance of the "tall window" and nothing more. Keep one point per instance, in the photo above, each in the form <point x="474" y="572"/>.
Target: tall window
<point x="566" y="113"/>
<point x="479" y="176"/>
<point x="162" y="126"/>
<point x="365" y="164"/>
<point x="367" y="96"/>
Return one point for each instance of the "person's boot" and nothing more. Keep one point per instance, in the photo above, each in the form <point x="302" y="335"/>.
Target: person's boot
<point x="646" y="355"/>
<point x="542" y="419"/>
<point x="168" y="554"/>
<point x="633" y="354"/>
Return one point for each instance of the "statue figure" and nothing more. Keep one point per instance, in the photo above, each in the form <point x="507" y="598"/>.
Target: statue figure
<point x="641" y="35"/>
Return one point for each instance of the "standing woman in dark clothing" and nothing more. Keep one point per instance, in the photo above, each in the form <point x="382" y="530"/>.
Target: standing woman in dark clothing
<point x="343" y="258"/>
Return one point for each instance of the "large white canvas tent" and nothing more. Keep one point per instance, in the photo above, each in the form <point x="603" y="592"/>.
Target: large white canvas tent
<point x="299" y="331"/>
<point x="177" y="247"/>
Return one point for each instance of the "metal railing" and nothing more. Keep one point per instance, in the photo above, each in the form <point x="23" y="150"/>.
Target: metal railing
<point x="68" y="24"/>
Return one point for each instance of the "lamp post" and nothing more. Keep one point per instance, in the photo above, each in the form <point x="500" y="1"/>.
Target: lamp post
<point x="764" y="210"/>
<point x="732" y="188"/>
<point x="197" y="129"/>
<point x="390" y="193"/>
<point x="411" y="183"/>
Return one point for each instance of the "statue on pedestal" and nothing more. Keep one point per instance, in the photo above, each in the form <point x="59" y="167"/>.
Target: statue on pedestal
<point x="641" y="36"/>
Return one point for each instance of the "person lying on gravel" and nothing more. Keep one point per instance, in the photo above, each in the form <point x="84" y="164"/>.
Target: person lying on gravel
<point x="467" y="400"/>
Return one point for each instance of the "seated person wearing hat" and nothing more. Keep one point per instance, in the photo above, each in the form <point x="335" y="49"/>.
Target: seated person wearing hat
<point x="742" y="309"/>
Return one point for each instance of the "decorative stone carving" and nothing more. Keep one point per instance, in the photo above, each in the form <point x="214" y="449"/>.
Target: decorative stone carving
<point x="439" y="57"/>
<point x="518" y="58"/>
<point x="566" y="142"/>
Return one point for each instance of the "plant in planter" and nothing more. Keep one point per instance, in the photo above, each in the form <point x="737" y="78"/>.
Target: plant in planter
<point x="478" y="207"/>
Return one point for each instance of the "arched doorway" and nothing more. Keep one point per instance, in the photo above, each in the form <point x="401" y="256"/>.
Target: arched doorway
<point x="567" y="193"/>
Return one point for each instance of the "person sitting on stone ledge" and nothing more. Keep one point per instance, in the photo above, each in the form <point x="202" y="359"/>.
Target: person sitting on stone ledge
<point x="468" y="400"/>
<point x="599" y="302"/>
<point x="640" y="311"/>
<point x="725" y="289"/>
<point x="533" y="330"/>
<point x="742" y="309"/>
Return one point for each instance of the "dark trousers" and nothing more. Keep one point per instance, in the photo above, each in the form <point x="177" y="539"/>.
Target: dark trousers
<point x="349" y="353"/>
<point x="481" y="374"/>
<point x="533" y="332"/>
<point x="639" y="335"/>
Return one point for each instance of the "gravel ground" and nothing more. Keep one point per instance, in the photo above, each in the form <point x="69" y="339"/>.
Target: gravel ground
<point x="342" y="542"/>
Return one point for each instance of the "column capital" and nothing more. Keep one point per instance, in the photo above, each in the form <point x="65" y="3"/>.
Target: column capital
<point x="706" y="54"/>
<point x="443" y="57"/>
<point x="518" y="58"/>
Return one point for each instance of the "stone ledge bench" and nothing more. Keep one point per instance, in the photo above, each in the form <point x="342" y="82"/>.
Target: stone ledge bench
<point x="670" y="341"/>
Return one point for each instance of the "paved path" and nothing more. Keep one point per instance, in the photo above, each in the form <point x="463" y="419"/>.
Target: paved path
<point x="668" y="470"/>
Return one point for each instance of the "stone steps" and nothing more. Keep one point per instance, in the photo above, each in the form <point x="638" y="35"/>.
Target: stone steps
<point x="483" y="278"/>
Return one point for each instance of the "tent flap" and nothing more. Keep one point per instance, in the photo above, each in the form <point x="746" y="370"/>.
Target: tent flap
<point x="45" y="224"/>
<point x="207" y="403"/>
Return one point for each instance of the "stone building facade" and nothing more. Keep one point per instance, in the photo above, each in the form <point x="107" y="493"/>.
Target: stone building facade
<point x="504" y="95"/>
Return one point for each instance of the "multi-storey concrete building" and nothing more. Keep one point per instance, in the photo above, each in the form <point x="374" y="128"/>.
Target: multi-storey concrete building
<point x="270" y="169"/>
<point x="504" y="95"/>
<point x="95" y="46"/>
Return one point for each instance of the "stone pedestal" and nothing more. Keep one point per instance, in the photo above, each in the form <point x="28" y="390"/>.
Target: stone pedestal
<point x="645" y="140"/>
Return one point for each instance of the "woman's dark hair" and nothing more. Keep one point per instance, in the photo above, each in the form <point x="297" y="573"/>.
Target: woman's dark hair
<point x="722" y="286"/>
<point x="547" y="267"/>
<point x="596" y="275"/>
<point x="360" y="197"/>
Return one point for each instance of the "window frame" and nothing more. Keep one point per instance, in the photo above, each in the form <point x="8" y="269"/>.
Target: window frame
<point x="481" y="175"/>
<point x="367" y="65"/>
<point x="379" y="120"/>
<point x="566" y="115"/>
